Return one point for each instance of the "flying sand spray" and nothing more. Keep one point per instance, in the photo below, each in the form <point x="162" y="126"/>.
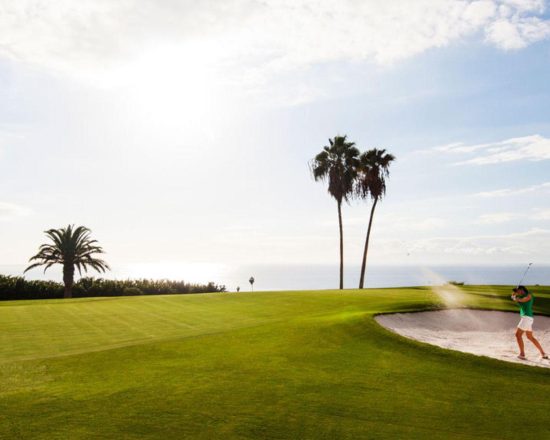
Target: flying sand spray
<point x="449" y="295"/>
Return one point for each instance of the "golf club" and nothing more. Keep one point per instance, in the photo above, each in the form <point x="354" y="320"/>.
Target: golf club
<point x="524" y="273"/>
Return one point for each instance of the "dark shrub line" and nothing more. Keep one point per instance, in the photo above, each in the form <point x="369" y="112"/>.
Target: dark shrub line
<point x="12" y="288"/>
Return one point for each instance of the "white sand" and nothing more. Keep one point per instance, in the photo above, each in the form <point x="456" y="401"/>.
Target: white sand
<point x="480" y="332"/>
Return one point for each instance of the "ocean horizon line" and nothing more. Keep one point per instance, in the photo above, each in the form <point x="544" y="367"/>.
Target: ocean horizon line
<point x="314" y="276"/>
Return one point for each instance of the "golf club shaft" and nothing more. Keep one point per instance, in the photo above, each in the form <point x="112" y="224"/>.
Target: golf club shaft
<point x="525" y="273"/>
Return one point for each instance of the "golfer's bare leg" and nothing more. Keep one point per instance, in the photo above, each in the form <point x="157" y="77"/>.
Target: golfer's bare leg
<point x="519" y="337"/>
<point x="535" y="342"/>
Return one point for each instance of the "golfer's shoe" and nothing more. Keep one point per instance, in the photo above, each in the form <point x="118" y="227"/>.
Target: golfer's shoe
<point x="544" y="356"/>
<point x="520" y="357"/>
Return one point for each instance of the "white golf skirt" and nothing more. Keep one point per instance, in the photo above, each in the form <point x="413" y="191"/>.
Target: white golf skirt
<point x="526" y="324"/>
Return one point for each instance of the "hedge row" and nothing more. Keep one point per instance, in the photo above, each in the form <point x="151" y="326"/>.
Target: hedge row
<point x="12" y="288"/>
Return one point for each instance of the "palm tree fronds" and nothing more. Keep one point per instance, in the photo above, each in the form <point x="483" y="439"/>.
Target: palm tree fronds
<point x="72" y="247"/>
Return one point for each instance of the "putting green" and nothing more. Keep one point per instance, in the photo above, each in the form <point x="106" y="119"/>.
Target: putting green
<point x="308" y="364"/>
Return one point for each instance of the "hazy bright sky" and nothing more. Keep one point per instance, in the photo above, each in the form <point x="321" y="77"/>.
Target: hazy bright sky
<point x="180" y="131"/>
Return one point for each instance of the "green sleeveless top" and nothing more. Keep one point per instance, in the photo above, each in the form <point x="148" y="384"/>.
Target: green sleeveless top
<point x="526" y="308"/>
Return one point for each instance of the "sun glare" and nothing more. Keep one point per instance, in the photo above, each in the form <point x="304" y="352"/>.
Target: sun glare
<point x="170" y="87"/>
<point x="189" y="272"/>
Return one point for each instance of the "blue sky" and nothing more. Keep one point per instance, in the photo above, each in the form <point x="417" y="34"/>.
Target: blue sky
<point x="180" y="134"/>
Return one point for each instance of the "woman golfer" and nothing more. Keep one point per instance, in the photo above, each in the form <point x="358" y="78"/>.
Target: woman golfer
<point x="525" y="301"/>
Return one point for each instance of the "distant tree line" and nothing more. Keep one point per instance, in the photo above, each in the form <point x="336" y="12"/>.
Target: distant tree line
<point x="13" y="287"/>
<point x="73" y="248"/>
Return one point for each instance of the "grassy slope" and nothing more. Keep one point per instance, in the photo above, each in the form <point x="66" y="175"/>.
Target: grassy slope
<point x="263" y="365"/>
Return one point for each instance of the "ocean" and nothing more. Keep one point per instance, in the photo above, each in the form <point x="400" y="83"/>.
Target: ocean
<point x="298" y="277"/>
<point x="290" y="277"/>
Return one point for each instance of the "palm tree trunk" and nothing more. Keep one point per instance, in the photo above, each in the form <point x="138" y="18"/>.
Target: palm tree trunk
<point x="68" y="280"/>
<point x="341" y="245"/>
<point x="364" y="265"/>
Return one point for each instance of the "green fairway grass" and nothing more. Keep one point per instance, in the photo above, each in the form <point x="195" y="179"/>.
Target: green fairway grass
<point x="266" y="365"/>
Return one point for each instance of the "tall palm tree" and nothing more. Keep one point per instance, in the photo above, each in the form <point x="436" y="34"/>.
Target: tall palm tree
<point x="337" y="164"/>
<point x="371" y="182"/>
<point x="71" y="247"/>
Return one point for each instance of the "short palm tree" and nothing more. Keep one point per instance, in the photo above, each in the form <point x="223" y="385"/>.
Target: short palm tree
<point x="371" y="182"/>
<point x="70" y="247"/>
<point x="337" y="164"/>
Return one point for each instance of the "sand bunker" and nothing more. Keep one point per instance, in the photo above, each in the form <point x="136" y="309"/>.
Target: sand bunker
<point x="480" y="332"/>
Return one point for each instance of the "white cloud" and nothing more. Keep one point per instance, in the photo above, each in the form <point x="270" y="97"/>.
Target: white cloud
<point x="542" y="214"/>
<point x="498" y="217"/>
<point x="513" y="29"/>
<point x="9" y="211"/>
<point x="517" y="33"/>
<point x="530" y="148"/>
<point x="400" y="223"/>
<point x="522" y="6"/>
<point x="10" y="134"/>
<point x="534" y="242"/>
<point x="250" y="40"/>
<point x="528" y="245"/>
<point x="507" y="192"/>
<point x="391" y="223"/>
<point x="505" y="217"/>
